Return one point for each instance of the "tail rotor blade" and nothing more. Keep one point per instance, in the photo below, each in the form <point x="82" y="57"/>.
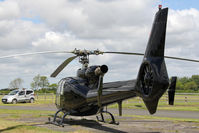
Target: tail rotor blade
<point x="62" y="66"/>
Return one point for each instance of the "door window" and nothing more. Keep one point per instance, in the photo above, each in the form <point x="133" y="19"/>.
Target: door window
<point x="21" y="93"/>
<point x="28" y="92"/>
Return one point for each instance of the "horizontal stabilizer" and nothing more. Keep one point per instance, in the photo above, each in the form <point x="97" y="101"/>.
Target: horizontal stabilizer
<point x="171" y="91"/>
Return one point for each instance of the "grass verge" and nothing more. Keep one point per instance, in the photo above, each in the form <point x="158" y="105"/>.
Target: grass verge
<point x="19" y="127"/>
<point x="163" y="118"/>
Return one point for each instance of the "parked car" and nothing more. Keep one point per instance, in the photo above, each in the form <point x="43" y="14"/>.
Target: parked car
<point x="19" y="96"/>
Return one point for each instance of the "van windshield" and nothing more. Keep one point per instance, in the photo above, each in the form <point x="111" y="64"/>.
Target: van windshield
<point x="13" y="92"/>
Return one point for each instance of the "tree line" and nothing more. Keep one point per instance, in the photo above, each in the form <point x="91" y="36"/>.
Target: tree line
<point x="188" y="84"/>
<point x="41" y="84"/>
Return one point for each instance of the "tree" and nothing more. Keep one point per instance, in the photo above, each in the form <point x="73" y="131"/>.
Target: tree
<point x="184" y="80"/>
<point x="53" y="86"/>
<point x="195" y="78"/>
<point x="39" y="82"/>
<point x="36" y="82"/>
<point x="44" y="82"/>
<point x="16" y="83"/>
<point x="191" y="86"/>
<point x="179" y="86"/>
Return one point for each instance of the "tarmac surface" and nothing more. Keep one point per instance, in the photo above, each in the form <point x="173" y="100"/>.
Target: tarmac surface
<point x="127" y="123"/>
<point x="159" y="113"/>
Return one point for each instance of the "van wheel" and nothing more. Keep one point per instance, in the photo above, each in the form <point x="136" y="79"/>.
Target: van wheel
<point x="14" y="101"/>
<point x="31" y="100"/>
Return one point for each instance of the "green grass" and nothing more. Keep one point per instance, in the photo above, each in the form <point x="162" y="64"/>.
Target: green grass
<point x="163" y="118"/>
<point x="160" y="107"/>
<point x="7" y="116"/>
<point x="18" y="114"/>
<point x="10" y="122"/>
<point x="8" y="111"/>
<point x="8" y="126"/>
<point x="191" y="103"/>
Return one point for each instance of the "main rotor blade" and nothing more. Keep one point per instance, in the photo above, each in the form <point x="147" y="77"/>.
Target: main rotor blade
<point x="33" y="53"/>
<point x="62" y="66"/>
<point x="128" y="53"/>
<point x="178" y="58"/>
<point x="169" y="57"/>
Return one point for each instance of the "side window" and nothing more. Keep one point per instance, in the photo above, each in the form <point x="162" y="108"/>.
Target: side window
<point x="21" y="93"/>
<point x="61" y="86"/>
<point x="28" y="92"/>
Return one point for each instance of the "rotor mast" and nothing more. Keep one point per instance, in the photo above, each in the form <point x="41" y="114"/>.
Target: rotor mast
<point x="84" y="56"/>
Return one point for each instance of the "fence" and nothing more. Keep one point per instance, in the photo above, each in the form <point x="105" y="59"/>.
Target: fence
<point x="44" y="96"/>
<point x="179" y="97"/>
<point x="183" y="97"/>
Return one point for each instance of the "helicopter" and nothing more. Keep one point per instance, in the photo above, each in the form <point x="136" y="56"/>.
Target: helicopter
<point x="87" y="94"/>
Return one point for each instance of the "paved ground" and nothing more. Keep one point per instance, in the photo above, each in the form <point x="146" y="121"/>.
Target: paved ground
<point x="160" y="113"/>
<point x="127" y="124"/>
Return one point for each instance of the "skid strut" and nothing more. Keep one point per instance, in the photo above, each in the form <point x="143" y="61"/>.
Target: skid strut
<point x="102" y="117"/>
<point x="62" y="119"/>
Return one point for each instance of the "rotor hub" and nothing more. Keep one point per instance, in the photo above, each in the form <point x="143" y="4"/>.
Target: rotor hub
<point x="85" y="52"/>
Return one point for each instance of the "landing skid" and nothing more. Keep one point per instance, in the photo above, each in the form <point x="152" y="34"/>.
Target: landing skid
<point x="102" y="118"/>
<point x="54" y="122"/>
<point x="55" y="116"/>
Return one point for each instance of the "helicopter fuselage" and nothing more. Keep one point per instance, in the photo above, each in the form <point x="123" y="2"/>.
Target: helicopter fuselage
<point x="78" y="95"/>
<point x="71" y="96"/>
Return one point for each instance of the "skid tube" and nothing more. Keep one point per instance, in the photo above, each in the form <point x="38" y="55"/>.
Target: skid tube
<point x="102" y="117"/>
<point x="55" y="116"/>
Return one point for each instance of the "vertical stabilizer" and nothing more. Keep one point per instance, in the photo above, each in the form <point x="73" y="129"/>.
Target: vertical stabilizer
<point x="156" y="42"/>
<point x="152" y="80"/>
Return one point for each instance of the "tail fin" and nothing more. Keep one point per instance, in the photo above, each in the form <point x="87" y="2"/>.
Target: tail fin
<point x="152" y="80"/>
<point x="156" y="43"/>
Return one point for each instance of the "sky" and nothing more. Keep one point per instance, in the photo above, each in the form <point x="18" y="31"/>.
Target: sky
<point x="108" y="25"/>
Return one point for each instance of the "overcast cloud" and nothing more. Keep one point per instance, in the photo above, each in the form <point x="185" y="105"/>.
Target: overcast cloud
<point x="108" y="25"/>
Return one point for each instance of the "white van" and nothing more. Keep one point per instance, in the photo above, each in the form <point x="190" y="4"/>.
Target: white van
<point x="16" y="96"/>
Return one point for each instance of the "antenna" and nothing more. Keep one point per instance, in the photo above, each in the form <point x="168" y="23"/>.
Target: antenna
<point x="160" y="7"/>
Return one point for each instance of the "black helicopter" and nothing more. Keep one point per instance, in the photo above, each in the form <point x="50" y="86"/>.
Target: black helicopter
<point x="86" y="94"/>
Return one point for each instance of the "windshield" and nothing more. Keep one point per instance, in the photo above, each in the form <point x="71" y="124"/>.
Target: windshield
<point x="13" y="92"/>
